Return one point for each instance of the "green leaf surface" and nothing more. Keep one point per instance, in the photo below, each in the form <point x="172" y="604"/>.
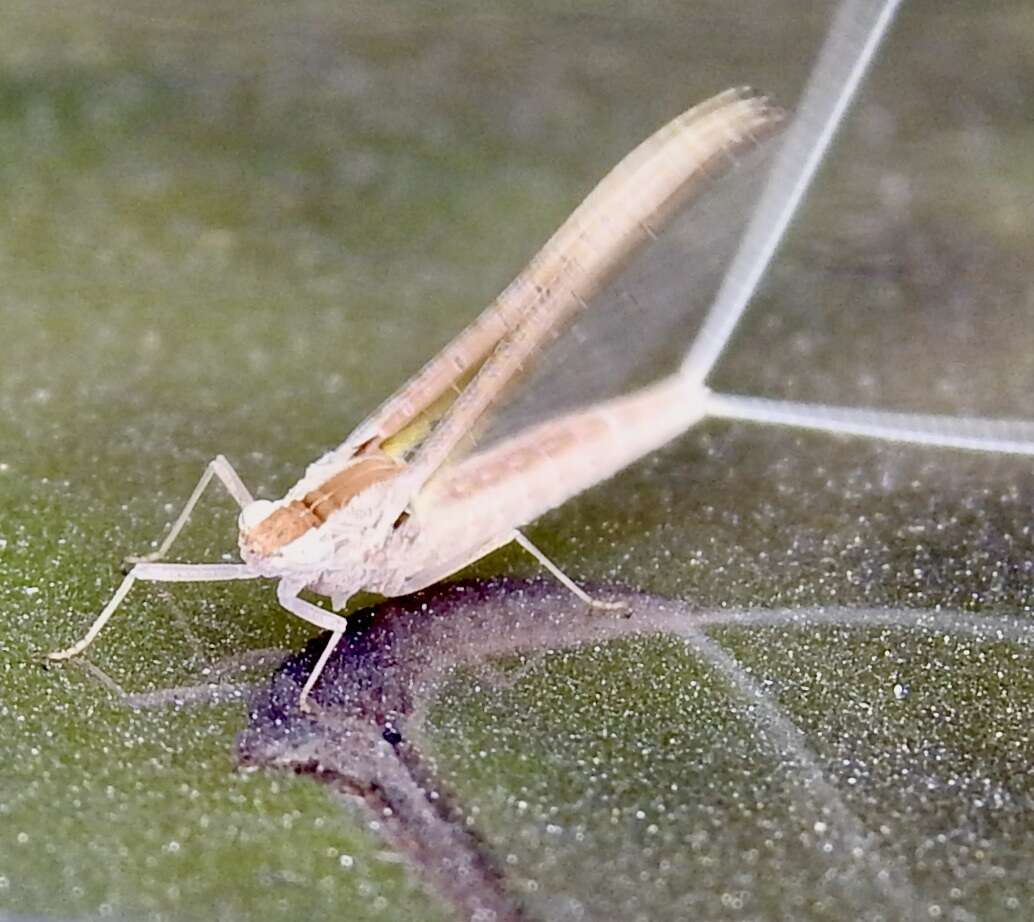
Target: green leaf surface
<point x="234" y="227"/>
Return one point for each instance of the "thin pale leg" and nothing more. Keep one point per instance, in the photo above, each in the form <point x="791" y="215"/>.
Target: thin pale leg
<point x="997" y="436"/>
<point x="159" y="573"/>
<point x="317" y="670"/>
<point x="562" y="577"/>
<point x="288" y="597"/>
<point x="217" y="467"/>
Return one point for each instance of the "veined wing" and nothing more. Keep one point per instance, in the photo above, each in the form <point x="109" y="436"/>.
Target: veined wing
<point x="436" y="409"/>
<point x="639" y="325"/>
<point x="849" y="48"/>
<point x="433" y="417"/>
<point x="624" y="213"/>
<point x="708" y="261"/>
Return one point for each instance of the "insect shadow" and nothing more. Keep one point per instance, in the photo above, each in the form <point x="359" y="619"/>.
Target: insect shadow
<point x="365" y="737"/>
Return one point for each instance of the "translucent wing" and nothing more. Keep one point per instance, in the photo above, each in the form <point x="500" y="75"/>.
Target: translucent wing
<point x="709" y="259"/>
<point x="433" y="415"/>
<point x="639" y="326"/>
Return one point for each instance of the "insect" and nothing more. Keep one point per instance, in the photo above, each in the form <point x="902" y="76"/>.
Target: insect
<point x="404" y="501"/>
<point x="390" y="511"/>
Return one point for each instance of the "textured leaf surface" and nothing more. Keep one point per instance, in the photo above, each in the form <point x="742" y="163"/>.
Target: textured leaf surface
<point x="234" y="227"/>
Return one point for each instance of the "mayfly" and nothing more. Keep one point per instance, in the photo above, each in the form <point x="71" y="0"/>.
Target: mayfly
<point x="404" y="501"/>
<point x="391" y="510"/>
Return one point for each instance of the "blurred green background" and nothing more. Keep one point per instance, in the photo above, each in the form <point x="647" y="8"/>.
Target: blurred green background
<point x="234" y="226"/>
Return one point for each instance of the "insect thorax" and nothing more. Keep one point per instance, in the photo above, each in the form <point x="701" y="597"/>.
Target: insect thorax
<point x="334" y="508"/>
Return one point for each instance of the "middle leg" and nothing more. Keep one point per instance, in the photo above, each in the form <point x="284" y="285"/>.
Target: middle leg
<point x="288" y="597"/>
<point x="160" y="573"/>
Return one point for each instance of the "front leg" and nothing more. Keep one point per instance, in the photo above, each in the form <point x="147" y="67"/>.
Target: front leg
<point x="218" y="467"/>
<point x="158" y="573"/>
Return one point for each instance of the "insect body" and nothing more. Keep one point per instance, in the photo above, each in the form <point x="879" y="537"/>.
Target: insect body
<point x="396" y="507"/>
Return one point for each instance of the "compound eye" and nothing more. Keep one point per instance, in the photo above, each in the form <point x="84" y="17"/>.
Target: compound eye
<point x="254" y="513"/>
